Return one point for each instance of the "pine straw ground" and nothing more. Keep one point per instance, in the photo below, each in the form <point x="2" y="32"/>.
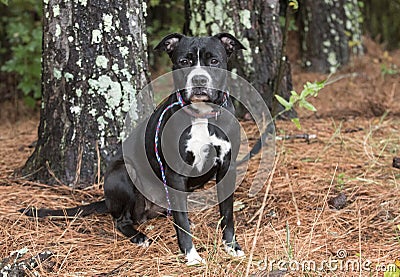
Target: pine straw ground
<point x="351" y="156"/>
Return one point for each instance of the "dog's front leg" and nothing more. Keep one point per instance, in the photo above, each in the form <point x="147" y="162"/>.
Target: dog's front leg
<point x="226" y="178"/>
<point x="182" y="227"/>
<point x="181" y="220"/>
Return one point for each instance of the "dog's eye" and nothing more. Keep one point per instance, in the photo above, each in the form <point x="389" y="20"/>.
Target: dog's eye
<point x="184" y="62"/>
<point x="214" y="61"/>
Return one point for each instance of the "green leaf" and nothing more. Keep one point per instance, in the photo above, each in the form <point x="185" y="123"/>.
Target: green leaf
<point x="293" y="99"/>
<point x="29" y="101"/>
<point x="312" y="89"/>
<point x="294" y="4"/>
<point x="24" y="35"/>
<point x="296" y="122"/>
<point x="321" y="84"/>
<point x="307" y="106"/>
<point x="154" y="3"/>
<point x="283" y="102"/>
<point x="5" y="2"/>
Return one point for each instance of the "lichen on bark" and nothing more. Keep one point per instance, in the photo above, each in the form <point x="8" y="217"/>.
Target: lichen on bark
<point x="94" y="66"/>
<point x="330" y="33"/>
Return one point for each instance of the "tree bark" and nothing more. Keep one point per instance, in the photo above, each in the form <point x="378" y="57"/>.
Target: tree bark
<point x="256" y="24"/>
<point x="330" y="32"/>
<point x="94" y="67"/>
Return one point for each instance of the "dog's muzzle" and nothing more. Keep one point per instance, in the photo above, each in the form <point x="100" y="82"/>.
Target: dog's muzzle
<point x="199" y="86"/>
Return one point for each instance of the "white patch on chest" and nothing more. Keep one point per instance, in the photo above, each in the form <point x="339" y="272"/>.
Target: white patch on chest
<point x="200" y="141"/>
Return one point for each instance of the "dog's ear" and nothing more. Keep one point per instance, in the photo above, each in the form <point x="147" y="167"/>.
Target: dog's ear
<point x="169" y="43"/>
<point x="230" y="43"/>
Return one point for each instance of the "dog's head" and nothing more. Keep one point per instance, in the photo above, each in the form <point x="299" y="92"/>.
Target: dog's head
<point x="196" y="63"/>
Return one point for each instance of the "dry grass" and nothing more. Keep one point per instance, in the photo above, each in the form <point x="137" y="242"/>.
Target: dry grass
<point x="306" y="177"/>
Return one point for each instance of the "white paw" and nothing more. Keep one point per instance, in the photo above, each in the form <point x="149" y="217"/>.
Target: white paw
<point x="193" y="258"/>
<point x="232" y="252"/>
<point x="145" y="244"/>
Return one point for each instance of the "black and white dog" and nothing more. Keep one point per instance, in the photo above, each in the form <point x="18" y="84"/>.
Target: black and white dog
<point x="209" y="145"/>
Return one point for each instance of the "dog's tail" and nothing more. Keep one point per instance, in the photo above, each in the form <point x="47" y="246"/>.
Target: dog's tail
<point x="260" y="143"/>
<point x="98" y="207"/>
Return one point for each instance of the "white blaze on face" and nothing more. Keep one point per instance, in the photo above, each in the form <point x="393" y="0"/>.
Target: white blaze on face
<point x="198" y="58"/>
<point x="197" y="70"/>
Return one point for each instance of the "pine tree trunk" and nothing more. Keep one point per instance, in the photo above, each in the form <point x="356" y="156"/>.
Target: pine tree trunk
<point x="256" y="24"/>
<point x="94" y="66"/>
<point x="330" y="33"/>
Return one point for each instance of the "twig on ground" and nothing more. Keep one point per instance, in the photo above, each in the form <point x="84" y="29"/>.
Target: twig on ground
<point x="306" y="137"/>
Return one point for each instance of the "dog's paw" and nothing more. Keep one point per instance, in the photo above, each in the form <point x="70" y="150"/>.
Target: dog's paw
<point x="233" y="251"/>
<point x="193" y="258"/>
<point x="141" y="240"/>
<point x="145" y="243"/>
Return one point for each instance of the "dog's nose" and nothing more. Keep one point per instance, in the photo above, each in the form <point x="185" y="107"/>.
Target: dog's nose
<point x="199" y="80"/>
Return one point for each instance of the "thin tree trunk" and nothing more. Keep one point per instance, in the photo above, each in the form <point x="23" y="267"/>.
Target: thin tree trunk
<point x="330" y="33"/>
<point x="94" y="66"/>
<point x="256" y="24"/>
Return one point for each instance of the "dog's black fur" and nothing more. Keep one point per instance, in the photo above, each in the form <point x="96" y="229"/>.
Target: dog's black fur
<point x="123" y="198"/>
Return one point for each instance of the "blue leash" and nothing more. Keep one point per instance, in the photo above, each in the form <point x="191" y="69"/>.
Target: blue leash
<point x="160" y="119"/>
<point x="164" y="179"/>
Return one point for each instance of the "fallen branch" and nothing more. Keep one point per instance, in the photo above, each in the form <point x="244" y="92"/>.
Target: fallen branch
<point x="13" y="266"/>
<point x="306" y="137"/>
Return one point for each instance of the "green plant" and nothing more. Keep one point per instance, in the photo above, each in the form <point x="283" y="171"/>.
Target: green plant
<point x="309" y="90"/>
<point x="159" y="24"/>
<point x="22" y="45"/>
<point x="389" y="70"/>
<point x="288" y="244"/>
<point x="292" y="6"/>
<point x="341" y="180"/>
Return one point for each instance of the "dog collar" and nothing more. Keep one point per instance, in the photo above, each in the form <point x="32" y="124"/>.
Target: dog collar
<point x="192" y="112"/>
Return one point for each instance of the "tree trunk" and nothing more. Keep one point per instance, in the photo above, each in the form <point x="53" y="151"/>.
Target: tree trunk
<point x="94" y="67"/>
<point x="330" y="33"/>
<point x="382" y="22"/>
<point x="256" y="24"/>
